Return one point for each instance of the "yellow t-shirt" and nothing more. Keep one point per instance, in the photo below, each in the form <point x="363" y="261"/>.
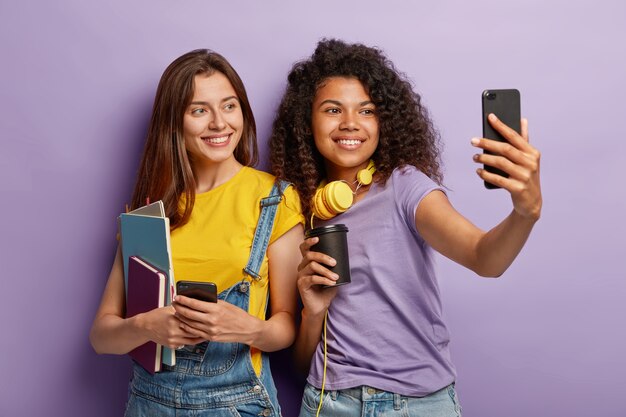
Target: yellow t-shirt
<point x="215" y="244"/>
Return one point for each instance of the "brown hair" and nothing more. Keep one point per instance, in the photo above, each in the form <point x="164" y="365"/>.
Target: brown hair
<point x="165" y="170"/>
<point x="407" y="135"/>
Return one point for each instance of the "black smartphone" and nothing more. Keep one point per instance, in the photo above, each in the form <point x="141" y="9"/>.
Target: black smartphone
<point x="505" y="104"/>
<point x="205" y="291"/>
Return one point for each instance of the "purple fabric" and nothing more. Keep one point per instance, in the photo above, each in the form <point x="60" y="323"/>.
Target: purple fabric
<point x="385" y="328"/>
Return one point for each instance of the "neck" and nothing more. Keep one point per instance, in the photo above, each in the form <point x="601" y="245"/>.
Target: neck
<point x="348" y="175"/>
<point x="334" y="173"/>
<point x="211" y="175"/>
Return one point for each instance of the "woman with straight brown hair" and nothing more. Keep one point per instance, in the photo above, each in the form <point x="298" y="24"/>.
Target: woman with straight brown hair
<point x="197" y="159"/>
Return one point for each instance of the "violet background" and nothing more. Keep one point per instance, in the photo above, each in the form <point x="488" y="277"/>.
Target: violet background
<point x="77" y="81"/>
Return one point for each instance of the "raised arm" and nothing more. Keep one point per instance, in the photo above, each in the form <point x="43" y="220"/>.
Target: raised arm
<point x="488" y="253"/>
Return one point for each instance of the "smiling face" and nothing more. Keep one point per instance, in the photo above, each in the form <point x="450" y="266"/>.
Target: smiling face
<point x="345" y="126"/>
<point x="213" y="121"/>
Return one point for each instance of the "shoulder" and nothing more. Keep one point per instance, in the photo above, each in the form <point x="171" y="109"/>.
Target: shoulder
<point x="410" y="186"/>
<point x="262" y="182"/>
<point x="257" y="177"/>
<point x="255" y="182"/>
<point x="410" y="176"/>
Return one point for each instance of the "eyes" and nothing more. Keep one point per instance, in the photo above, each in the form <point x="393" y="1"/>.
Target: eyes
<point x="201" y="109"/>
<point x="336" y="110"/>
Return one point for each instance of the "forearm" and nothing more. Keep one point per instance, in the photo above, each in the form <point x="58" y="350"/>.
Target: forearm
<point x="499" y="247"/>
<point x="275" y="333"/>
<point x="115" y="335"/>
<point x="309" y="335"/>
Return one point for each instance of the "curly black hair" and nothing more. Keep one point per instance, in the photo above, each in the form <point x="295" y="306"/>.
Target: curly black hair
<point x="406" y="133"/>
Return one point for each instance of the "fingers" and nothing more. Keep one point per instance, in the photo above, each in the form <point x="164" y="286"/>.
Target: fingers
<point x="192" y="329"/>
<point x="309" y="257"/>
<point x="305" y="246"/>
<point x="180" y="301"/>
<point x="305" y="282"/>
<point x="525" y="129"/>
<point x="517" y="150"/>
<point x="504" y="164"/>
<point x="314" y="271"/>
<point x="494" y="179"/>
<point x="181" y="342"/>
<point x="509" y="134"/>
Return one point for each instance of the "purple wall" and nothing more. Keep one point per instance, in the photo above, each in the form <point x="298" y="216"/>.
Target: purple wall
<point x="77" y="82"/>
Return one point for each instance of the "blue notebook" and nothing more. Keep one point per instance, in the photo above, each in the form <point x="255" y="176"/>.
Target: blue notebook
<point x="145" y="233"/>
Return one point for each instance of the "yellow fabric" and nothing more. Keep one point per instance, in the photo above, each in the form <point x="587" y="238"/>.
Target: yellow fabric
<point x="215" y="244"/>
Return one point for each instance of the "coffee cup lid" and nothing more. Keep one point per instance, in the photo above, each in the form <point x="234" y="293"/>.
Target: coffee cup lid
<point x="325" y="229"/>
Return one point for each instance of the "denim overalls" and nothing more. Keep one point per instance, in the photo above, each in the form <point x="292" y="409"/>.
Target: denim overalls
<point x="212" y="378"/>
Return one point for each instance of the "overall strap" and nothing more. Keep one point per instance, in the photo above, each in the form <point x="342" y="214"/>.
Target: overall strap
<point x="264" y="229"/>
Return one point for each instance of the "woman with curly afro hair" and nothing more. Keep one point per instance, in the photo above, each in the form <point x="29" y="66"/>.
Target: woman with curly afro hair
<point x="358" y="145"/>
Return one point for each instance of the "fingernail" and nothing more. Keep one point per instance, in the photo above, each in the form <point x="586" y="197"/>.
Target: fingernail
<point x="335" y="276"/>
<point x="332" y="262"/>
<point x="475" y="141"/>
<point x="479" y="170"/>
<point x="492" y="117"/>
<point x="475" y="157"/>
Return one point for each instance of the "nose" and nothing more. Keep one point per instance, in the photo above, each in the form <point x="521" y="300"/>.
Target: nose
<point x="217" y="122"/>
<point x="348" y="122"/>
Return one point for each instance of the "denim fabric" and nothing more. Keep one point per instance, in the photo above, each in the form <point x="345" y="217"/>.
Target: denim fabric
<point x="366" y="401"/>
<point x="212" y="378"/>
<point x="264" y="227"/>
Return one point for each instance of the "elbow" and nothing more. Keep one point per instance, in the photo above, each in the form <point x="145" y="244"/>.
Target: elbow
<point x="94" y="343"/>
<point x="488" y="272"/>
<point x="491" y="274"/>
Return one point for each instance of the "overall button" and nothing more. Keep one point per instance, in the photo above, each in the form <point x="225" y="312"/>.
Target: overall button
<point x="266" y="412"/>
<point x="371" y="391"/>
<point x="256" y="389"/>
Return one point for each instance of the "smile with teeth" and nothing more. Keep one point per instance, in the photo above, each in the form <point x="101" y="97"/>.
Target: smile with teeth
<point x="216" y="140"/>
<point x="349" y="142"/>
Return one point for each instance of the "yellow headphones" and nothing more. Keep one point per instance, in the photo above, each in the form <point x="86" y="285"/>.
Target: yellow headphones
<point x="336" y="197"/>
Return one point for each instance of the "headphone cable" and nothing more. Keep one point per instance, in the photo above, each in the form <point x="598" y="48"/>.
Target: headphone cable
<point x="319" y="407"/>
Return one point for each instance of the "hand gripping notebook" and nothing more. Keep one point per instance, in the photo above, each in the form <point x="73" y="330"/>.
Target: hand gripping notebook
<point x="145" y="292"/>
<point x="145" y="233"/>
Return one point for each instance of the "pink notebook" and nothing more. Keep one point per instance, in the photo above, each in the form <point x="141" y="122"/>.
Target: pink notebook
<point x="146" y="291"/>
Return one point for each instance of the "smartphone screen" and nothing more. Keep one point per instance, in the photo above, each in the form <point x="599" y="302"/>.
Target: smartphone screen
<point x="205" y="291"/>
<point x="505" y="104"/>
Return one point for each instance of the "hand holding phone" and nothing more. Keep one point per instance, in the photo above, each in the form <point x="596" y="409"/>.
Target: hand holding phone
<point x="505" y="104"/>
<point x="204" y="291"/>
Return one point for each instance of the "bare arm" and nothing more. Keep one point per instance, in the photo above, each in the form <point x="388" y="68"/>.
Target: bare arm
<point x="112" y="333"/>
<point x="224" y="322"/>
<point x="316" y="299"/>
<point x="488" y="253"/>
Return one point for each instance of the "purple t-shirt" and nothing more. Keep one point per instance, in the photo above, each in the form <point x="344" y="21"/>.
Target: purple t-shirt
<point x="385" y="328"/>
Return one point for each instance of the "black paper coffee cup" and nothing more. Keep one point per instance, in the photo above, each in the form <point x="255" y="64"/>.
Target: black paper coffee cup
<point x="333" y="241"/>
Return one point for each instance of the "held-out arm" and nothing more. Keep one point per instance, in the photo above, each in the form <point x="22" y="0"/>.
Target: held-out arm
<point x="112" y="333"/>
<point x="488" y="253"/>
<point x="224" y="322"/>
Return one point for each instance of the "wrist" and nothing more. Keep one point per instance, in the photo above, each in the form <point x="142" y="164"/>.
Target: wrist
<point x="531" y="216"/>
<point x="255" y="331"/>
<point x="138" y="324"/>
<point x="313" y="315"/>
